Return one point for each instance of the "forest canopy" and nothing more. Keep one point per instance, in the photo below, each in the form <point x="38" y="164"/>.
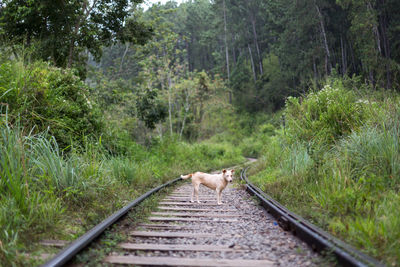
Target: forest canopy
<point x="268" y="50"/>
<point x="61" y="31"/>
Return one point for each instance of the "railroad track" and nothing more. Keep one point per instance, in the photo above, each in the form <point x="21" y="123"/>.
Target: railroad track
<point x="238" y="233"/>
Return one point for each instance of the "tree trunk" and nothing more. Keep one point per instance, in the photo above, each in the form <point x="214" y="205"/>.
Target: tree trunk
<point x="252" y="63"/>
<point x="75" y="33"/>
<point x="375" y="29"/>
<point x="187" y="52"/>
<point x="73" y="37"/>
<point x="253" y="22"/>
<point x="169" y="103"/>
<point x="226" y="43"/>
<point x="227" y="52"/>
<point x="234" y="51"/>
<point x="187" y="106"/>
<point x="386" y="47"/>
<point x="344" y="63"/>
<point x="353" y="61"/>
<point x="315" y="70"/>
<point x="85" y="15"/>
<point x="123" y="56"/>
<point x="328" y="54"/>
<point x="371" y="78"/>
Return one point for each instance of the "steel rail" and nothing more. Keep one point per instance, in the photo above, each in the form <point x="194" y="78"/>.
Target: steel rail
<point x="75" y="247"/>
<point x="315" y="237"/>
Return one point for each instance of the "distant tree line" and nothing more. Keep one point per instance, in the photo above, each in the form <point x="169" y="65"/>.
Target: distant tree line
<point x="265" y="49"/>
<point x="271" y="49"/>
<point x="277" y="48"/>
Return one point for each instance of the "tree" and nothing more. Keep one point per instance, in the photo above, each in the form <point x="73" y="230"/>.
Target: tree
<point x="374" y="27"/>
<point x="273" y="49"/>
<point x="62" y="31"/>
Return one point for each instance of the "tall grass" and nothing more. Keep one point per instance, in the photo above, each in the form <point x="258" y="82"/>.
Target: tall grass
<point x="13" y="166"/>
<point x="298" y="161"/>
<point x="48" y="163"/>
<point x="23" y="207"/>
<point x="123" y="169"/>
<point x="65" y="169"/>
<point x="45" y="193"/>
<point x="373" y="151"/>
<point x="338" y="164"/>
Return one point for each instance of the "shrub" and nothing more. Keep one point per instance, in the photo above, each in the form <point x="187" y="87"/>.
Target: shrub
<point x="48" y="98"/>
<point x="338" y="164"/>
<point x="324" y="116"/>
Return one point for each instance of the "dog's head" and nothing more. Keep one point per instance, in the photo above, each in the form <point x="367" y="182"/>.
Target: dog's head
<point x="228" y="175"/>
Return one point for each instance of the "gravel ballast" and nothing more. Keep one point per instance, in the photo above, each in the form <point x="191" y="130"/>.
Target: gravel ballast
<point x="251" y="233"/>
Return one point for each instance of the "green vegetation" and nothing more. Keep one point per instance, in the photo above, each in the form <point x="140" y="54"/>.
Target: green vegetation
<point x="60" y="32"/>
<point x="64" y="167"/>
<point x="48" y="99"/>
<point x="102" y="100"/>
<point x="337" y="164"/>
<point x="42" y="189"/>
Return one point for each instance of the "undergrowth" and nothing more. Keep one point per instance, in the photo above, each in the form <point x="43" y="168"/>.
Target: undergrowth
<point x="45" y="193"/>
<point x="337" y="163"/>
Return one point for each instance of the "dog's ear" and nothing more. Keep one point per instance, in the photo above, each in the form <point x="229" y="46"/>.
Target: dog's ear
<point x="223" y="171"/>
<point x="232" y="171"/>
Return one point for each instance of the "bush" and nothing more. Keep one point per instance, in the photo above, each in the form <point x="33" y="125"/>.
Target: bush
<point x="325" y="116"/>
<point x="338" y="164"/>
<point x="48" y="99"/>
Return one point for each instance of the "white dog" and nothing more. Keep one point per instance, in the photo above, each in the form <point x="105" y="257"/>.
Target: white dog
<point x="216" y="182"/>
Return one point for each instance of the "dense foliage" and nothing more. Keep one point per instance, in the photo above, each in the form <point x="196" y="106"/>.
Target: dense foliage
<point x="101" y="100"/>
<point x="41" y="188"/>
<point x="337" y="163"/>
<point x="45" y="98"/>
<point x="324" y="116"/>
<point x="64" y="31"/>
<point x="268" y="50"/>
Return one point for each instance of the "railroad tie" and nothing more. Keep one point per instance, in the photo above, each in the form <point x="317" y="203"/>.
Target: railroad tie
<point x="173" y="261"/>
<point x="181" y="219"/>
<point x="188" y="203"/>
<point x="163" y="226"/>
<point x="189" y="214"/>
<point x="176" y="234"/>
<point x="54" y="243"/>
<point x="173" y="247"/>
<point x="194" y="209"/>
<point x="202" y="200"/>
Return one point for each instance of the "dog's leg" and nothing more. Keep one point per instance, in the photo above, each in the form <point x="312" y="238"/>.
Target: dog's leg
<point x="196" y="191"/>
<point x="218" y="191"/>
<point x="191" y="199"/>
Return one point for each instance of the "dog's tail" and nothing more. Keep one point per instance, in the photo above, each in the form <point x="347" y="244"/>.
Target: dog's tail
<point x="187" y="176"/>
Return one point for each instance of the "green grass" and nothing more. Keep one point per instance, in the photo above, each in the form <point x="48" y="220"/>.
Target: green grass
<point x="24" y="208"/>
<point x="45" y="193"/>
<point x="64" y="166"/>
<point x="345" y="180"/>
